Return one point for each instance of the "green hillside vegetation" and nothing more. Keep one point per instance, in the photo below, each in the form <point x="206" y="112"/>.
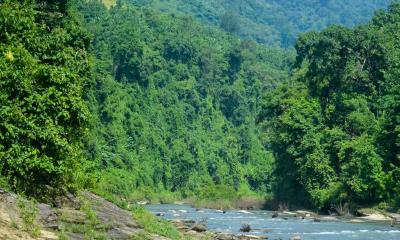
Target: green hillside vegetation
<point x="272" y="22"/>
<point x="335" y="128"/>
<point x="136" y="104"/>
<point x="43" y="73"/>
<point x="174" y="105"/>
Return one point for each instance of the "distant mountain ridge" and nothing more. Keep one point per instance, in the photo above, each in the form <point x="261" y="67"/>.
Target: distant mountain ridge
<point x="273" y="22"/>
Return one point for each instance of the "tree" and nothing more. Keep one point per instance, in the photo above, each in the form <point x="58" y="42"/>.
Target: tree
<point x="230" y="22"/>
<point x="44" y="71"/>
<point x="331" y="128"/>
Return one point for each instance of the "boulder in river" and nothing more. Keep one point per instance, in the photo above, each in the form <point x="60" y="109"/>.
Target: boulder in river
<point x="329" y="218"/>
<point x="295" y="238"/>
<point x="245" y="228"/>
<point x="251" y="237"/>
<point x="142" y="203"/>
<point x="244" y="211"/>
<point x="275" y="215"/>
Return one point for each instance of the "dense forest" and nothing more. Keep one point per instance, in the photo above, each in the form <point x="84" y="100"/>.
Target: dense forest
<point x="174" y="104"/>
<point x="138" y="100"/>
<point x="271" y="22"/>
<point x="44" y="71"/>
<point x="334" y="128"/>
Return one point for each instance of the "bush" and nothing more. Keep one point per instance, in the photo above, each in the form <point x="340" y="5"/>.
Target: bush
<point x="42" y="111"/>
<point x="152" y="224"/>
<point x="28" y="212"/>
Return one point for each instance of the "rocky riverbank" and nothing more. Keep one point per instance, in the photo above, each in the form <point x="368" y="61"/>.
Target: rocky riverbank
<point x="86" y="216"/>
<point x="197" y="230"/>
<point x="267" y="224"/>
<point x="363" y="216"/>
<point x="83" y="217"/>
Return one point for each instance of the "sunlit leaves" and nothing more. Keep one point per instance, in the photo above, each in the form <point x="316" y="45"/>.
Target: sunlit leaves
<point x="352" y="79"/>
<point x="42" y="111"/>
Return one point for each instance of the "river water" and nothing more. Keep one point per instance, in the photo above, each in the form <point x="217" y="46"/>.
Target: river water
<point x="278" y="228"/>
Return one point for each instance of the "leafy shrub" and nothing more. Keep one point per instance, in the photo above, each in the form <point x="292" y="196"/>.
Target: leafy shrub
<point x="152" y="224"/>
<point x="44" y="69"/>
<point x="28" y="212"/>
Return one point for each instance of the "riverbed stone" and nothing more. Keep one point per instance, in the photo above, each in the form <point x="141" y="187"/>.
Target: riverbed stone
<point x="245" y="228"/>
<point x="295" y="238"/>
<point x="199" y="228"/>
<point x="252" y="237"/>
<point x="225" y="236"/>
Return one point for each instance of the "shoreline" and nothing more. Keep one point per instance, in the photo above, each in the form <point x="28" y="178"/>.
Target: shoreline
<point x="372" y="216"/>
<point x="366" y="215"/>
<point x="198" y="229"/>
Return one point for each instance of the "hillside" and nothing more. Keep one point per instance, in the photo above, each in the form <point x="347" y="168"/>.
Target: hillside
<point x="137" y="104"/>
<point x="335" y="128"/>
<point x="272" y="22"/>
<point x="174" y="105"/>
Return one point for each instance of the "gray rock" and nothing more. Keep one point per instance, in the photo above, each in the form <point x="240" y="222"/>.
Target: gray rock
<point x="76" y="236"/>
<point x="199" y="228"/>
<point x="295" y="238"/>
<point x="252" y="237"/>
<point x="48" y="216"/>
<point x="67" y="201"/>
<point x="225" y="236"/>
<point x="72" y="216"/>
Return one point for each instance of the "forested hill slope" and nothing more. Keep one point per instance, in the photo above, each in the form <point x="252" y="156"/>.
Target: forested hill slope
<point x="137" y="103"/>
<point x="335" y="129"/>
<point x="174" y="104"/>
<point x="272" y="21"/>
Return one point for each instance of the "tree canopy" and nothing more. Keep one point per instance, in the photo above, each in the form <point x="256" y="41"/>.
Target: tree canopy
<point x="174" y="103"/>
<point x="43" y="70"/>
<point x="334" y="128"/>
<point x="272" y="22"/>
<point x="143" y="103"/>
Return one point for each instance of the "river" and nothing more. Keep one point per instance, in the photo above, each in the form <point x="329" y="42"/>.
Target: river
<point x="278" y="228"/>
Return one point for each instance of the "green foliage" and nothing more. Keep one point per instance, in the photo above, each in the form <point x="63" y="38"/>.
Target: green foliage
<point x="333" y="128"/>
<point x="272" y="22"/>
<point x="141" y="236"/>
<point x="172" y="107"/>
<point x="152" y="224"/>
<point x="174" y="104"/>
<point x="217" y="192"/>
<point x="226" y="197"/>
<point x="89" y="226"/>
<point x="43" y="71"/>
<point x="28" y="212"/>
<point x="230" y="23"/>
